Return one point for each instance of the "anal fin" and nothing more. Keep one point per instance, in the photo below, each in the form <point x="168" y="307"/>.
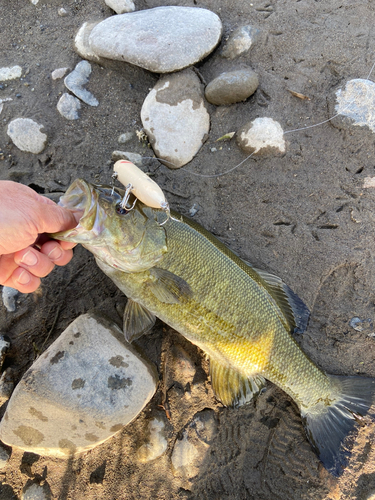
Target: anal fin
<point x="137" y="320"/>
<point x="231" y="387"/>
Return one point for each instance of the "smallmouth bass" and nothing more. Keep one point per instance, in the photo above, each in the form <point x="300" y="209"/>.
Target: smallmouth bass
<point x="240" y="316"/>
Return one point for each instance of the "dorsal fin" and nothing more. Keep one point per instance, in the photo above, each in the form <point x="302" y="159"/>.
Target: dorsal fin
<point x="231" y="387"/>
<point x="292" y="307"/>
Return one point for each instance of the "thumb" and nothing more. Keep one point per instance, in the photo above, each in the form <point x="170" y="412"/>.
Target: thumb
<point x="55" y="218"/>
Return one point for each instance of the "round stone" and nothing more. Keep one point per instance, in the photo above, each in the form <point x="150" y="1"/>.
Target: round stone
<point x="231" y="87"/>
<point x="26" y="135"/>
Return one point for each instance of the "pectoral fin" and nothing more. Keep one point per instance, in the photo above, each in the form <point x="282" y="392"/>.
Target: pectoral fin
<point x="293" y="308"/>
<point x="168" y="287"/>
<point x="231" y="387"/>
<point x="137" y="320"/>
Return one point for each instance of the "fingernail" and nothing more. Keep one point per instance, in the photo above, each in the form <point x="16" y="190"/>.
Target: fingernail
<point x="55" y="254"/>
<point x="24" y="278"/>
<point x="29" y="259"/>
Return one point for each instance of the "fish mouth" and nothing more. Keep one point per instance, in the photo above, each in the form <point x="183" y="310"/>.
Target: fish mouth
<point x="81" y="199"/>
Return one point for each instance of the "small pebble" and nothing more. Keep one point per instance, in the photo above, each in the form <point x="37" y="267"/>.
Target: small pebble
<point x="77" y="79"/>
<point x="59" y="73"/>
<point x="184" y="456"/>
<point x="263" y="135"/>
<point x="35" y="491"/>
<point x="357" y="102"/>
<point x="240" y="42"/>
<point x="369" y="182"/>
<point x="4" y="457"/>
<point x="4" y="346"/>
<point x="121" y="6"/>
<point x="68" y="106"/>
<point x="135" y="158"/>
<point x="62" y="12"/>
<point x="9" y="298"/>
<point x="10" y="73"/>
<point x="124" y="138"/>
<point x="194" y="209"/>
<point x="157" y="442"/>
<point x="34" y="2"/>
<point x="231" y="87"/>
<point x="6" y="385"/>
<point x="26" y="135"/>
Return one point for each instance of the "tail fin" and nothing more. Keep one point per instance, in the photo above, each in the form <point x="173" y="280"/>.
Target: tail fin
<point x="331" y="429"/>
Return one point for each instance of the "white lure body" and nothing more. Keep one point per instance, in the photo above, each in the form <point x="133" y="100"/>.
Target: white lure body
<point x="143" y="188"/>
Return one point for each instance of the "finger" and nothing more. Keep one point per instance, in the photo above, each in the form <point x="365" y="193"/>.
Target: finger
<point x="7" y="267"/>
<point x="56" y="253"/>
<point x="23" y="281"/>
<point x="33" y="261"/>
<point x="55" y="218"/>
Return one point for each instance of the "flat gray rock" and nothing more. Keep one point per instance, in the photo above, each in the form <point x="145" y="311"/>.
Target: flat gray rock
<point x="26" y="135"/>
<point x="83" y="389"/>
<point x="175" y="119"/>
<point x="162" y="40"/>
<point x="356" y="102"/>
<point x="68" y="106"/>
<point x="77" y="79"/>
<point x="232" y="86"/>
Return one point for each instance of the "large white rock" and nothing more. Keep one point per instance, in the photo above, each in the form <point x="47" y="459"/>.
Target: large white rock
<point x="175" y="118"/>
<point x="163" y="39"/>
<point x="82" y="390"/>
<point x="357" y="101"/>
<point x="26" y="135"/>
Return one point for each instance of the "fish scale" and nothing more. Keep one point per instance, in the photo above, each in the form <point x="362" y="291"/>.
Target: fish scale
<point x="240" y="316"/>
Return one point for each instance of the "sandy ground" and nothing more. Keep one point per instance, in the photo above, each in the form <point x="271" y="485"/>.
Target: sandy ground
<point x="304" y="216"/>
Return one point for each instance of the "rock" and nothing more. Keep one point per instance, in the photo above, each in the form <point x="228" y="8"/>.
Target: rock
<point x="231" y="87"/>
<point x="162" y="40"/>
<point x="205" y="425"/>
<point x="157" y="442"/>
<point x="175" y="119"/>
<point x="75" y="81"/>
<point x="62" y="12"/>
<point x="59" y="73"/>
<point x="10" y="73"/>
<point x="83" y="389"/>
<point x="6" y="99"/>
<point x="184" y="456"/>
<point x="34" y="2"/>
<point x="35" y="491"/>
<point x="68" y="106"/>
<point x="4" y="457"/>
<point x="368" y="182"/>
<point x="124" y="138"/>
<point x="82" y="44"/>
<point x="357" y="103"/>
<point x="4" y="346"/>
<point x="240" y="42"/>
<point x="123" y="155"/>
<point x="263" y="135"/>
<point x="9" y="298"/>
<point x="121" y="6"/>
<point x="6" y="385"/>
<point x="26" y="135"/>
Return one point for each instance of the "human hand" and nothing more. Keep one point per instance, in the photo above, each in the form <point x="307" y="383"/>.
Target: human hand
<point x="26" y="253"/>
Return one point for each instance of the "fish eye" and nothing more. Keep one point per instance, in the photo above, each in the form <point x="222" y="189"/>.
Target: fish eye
<point x="121" y="210"/>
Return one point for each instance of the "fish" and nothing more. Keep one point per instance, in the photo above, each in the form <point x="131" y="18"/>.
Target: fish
<point x="242" y="317"/>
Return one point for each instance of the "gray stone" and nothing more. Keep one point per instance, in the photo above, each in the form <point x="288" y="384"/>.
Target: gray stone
<point x="4" y="457"/>
<point x="231" y="87"/>
<point x="163" y="39"/>
<point x="68" y="106"/>
<point x="262" y="136"/>
<point x="82" y="44"/>
<point x="356" y="102"/>
<point x="83" y="389"/>
<point x="135" y="158"/>
<point x="10" y="73"/>
<point x="175" y="118"/>
<point x="77" y="79"/>
<point x="4" y="346"/>
<point x="9" y="298"/>
<point x="26" y="135"/>
<point x="121" y="6"/>
<point x="6" y="385"/>
<point x="123" y="138"/>
<point x="62" y="12"/>
<point x="240" y="42"/>
<point x="35" y="491"/>
<point x="59" y="73"/>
